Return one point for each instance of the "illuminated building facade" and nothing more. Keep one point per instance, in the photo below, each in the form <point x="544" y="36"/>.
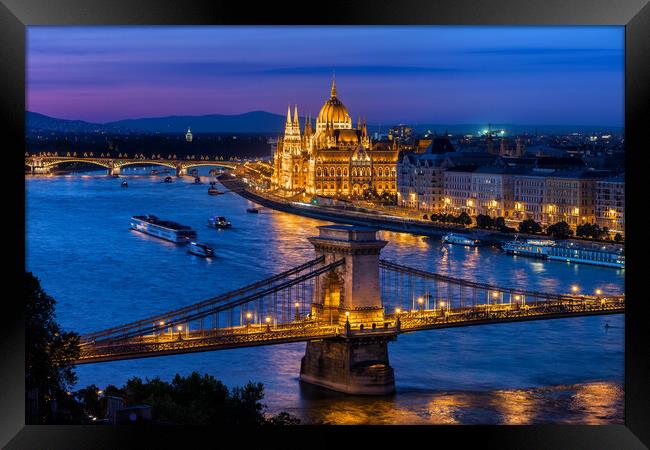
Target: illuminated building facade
<point x="610" y="203"/>
<point x="334" y="158"/>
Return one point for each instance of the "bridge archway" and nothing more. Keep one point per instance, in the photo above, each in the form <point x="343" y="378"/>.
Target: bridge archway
<point x="145" y="163"/>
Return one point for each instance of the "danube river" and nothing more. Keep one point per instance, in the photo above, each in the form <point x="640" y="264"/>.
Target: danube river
<point x="101" y="274"/>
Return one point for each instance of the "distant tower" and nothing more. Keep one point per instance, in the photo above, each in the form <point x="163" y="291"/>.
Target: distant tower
<point x="520" y="147"/>
<point x="188" y="135"/>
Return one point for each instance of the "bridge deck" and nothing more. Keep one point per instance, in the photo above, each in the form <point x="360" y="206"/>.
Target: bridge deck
<point x="169" y="343"/>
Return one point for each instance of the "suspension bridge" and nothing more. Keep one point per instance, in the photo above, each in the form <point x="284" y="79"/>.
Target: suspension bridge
<point x="347" y="304"/>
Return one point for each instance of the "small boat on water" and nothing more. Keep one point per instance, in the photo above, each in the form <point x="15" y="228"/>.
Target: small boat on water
<point x="219" y="222"/>
<point x="154" y="172"/>
<point x="212" y="190"/>
<point x="200" y="249"/>
<point x="168" y="179"/>
<point x="125" y="184"/>
<point x="253" y="210"/>
<point x="460" y="239"/>
<point x="197" y="180"/>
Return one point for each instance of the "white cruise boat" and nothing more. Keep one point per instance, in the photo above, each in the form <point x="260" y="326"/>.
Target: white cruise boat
<point x="200" y="249"/>
<point x="606" y="255"/>
<point x="459" y="239"/>
<point x="163" y="229"/>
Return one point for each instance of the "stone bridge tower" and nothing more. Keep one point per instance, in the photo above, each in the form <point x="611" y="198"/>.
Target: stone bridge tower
<point x="355" y="362"/>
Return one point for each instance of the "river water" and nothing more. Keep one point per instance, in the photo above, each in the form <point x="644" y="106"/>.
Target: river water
<point x="101" y="274"/>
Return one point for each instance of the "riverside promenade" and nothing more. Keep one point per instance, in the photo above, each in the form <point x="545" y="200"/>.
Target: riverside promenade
<point x="360" y="217"/>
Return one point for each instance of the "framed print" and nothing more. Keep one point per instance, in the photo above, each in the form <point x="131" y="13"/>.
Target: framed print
<point x="377" y="215"/>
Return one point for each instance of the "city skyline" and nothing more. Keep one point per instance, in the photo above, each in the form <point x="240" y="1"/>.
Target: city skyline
<point x="518" y="75"/>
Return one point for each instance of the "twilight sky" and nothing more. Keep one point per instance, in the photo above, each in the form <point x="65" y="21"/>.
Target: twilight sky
<point x="423" y="74"/>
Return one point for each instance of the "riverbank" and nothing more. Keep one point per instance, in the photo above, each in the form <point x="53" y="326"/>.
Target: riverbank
<point x="368" y="218"/>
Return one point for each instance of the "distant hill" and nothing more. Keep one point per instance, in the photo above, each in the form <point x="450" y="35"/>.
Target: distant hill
<point x="250" y="122"/>
<point x="36" y="121"/>
<point x="264" y="122"/>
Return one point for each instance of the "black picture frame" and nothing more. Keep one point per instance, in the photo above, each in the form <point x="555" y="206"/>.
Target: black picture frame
<point x="15" y="15"/>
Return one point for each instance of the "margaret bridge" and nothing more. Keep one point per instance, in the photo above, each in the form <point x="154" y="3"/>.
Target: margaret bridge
<point x="39" y="164"/>
<point x="347" y="304"/>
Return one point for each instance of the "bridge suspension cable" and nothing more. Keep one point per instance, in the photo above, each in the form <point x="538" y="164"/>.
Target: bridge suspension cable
<point x="229" y="304"/>
<point x="414" y="288"/>
<point x="166" y="317"/>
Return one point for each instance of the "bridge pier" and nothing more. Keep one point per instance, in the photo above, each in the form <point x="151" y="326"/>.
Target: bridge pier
<point x="114" y="171"/>
<point x="356" y="362"/>
<point x="181" y="171"/>
<point x="356" y="365"/>
<point x="44" y="170"/>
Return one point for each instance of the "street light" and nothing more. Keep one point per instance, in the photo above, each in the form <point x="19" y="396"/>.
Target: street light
<point x="248" y="320"/>
<point x="599" y="292"/>
<point x="420" y="302"/>
<point x="297" y="305"/>
<point x="268" y="324"/>
<point x="575" y="289"/>
<point x="180" y="328"/>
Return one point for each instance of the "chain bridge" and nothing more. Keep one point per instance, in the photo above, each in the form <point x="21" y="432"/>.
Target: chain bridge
<point x="43" y="164"/>
<point x="347" y="304"/>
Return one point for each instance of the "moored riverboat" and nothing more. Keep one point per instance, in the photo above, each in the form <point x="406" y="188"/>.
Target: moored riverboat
<point x="607" y="255"/>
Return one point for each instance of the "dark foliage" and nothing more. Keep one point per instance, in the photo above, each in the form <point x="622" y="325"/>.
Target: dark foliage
<point x="530" y="226"/>
<point x="49" y="356"/>
<point x="559" y="230"/>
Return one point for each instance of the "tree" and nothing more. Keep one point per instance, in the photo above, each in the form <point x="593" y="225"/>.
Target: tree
<point x="559" y="230"/>
<point x="530" y="226"/>
<point x="591" y="231"/>
<point x="500" y="223"/>
<point x="464" y="219"/>
<point x="89" y="401"/>
<point x="195" y="399"/>
<point x="283" y="418"/>
<point x="49" y="355"/>
<point x="484" y="221"/>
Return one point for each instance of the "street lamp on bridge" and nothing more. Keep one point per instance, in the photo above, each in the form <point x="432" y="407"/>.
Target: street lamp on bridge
<point x="297" y="304"/>
<point x="248" y="320"/>
<point x="268" y="323"/>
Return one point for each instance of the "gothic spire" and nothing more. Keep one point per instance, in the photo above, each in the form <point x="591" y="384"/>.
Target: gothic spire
<point x="333" y="85"/>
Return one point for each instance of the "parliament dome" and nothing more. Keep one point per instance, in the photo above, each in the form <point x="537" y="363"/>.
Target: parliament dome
<point x="333" y="113"/>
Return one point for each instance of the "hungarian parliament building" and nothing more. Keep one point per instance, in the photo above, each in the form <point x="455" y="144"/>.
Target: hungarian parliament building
<point x="334" y="159"/>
